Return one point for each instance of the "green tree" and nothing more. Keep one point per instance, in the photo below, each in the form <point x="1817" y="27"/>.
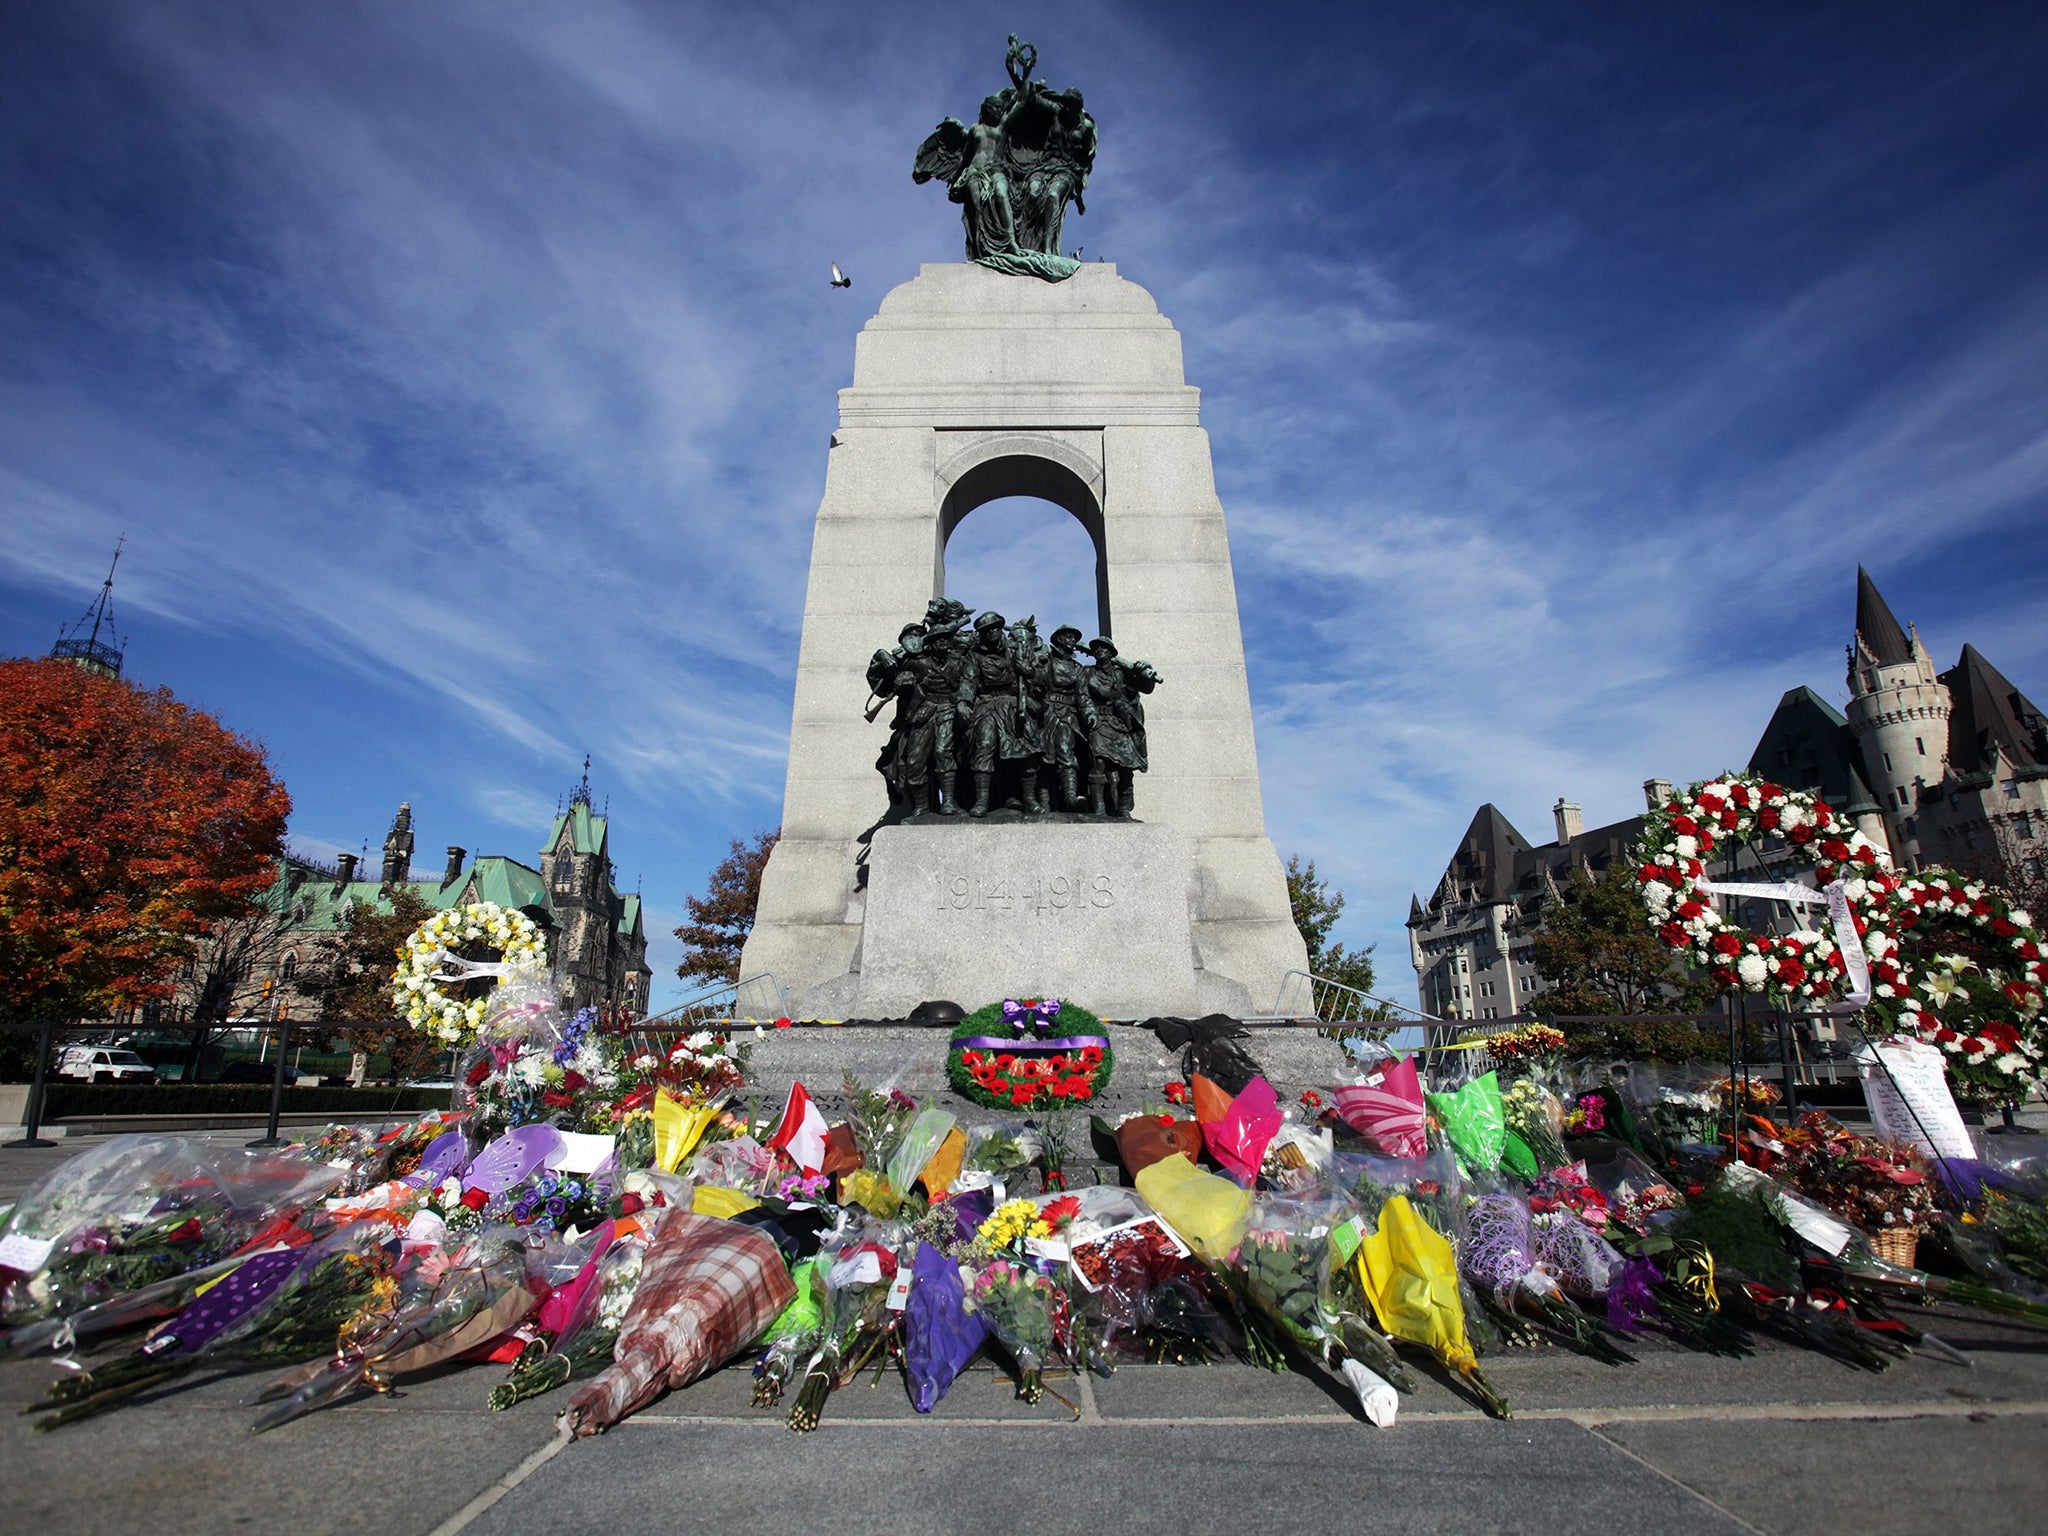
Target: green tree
<point x="352" y="984"/>
<point x="723" y="916"/>
<point x="1600" y="956"/>
<point x="1316" y="905"/>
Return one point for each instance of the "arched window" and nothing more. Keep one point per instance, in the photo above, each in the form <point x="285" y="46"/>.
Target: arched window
<point x="1019" y="555"/>
<point x="565" y="868"/>
<point x="288" y="967"/>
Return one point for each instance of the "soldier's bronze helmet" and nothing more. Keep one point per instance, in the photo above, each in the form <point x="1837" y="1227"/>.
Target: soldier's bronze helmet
<point x="1066" y="629"/>
<point x="1102" y="645"/>
<point x="988" y="619"/>
<point x="908" y="630"/>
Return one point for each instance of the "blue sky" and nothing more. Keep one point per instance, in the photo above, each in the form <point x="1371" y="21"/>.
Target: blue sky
<point x="462" y="374"/>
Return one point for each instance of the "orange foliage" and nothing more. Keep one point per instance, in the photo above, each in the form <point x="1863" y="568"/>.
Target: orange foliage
<point x="129" y="823"/>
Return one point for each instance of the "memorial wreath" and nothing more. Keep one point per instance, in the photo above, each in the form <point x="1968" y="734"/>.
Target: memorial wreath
<point x="1727" y="813"/>
<point x="471" y="932"/>
<point x="1019" y="1053"/>
<point x="1969" y="977"/>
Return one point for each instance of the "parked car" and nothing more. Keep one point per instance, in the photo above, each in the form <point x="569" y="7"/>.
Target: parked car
<point x="104" y="1064"/>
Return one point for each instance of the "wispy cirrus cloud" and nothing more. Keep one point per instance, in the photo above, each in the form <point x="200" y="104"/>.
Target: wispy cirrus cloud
<point x="463" y="379"/>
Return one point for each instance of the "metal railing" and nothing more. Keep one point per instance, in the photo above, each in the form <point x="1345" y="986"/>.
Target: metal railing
<point x="1306" y="996"/>
<point x="759" y="997"/>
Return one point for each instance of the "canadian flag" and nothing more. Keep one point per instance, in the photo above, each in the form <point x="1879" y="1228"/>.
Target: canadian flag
<point x="801" y="1132"/>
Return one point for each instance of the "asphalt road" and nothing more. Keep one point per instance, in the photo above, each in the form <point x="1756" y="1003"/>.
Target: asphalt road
<point x="1782" y="1443"/>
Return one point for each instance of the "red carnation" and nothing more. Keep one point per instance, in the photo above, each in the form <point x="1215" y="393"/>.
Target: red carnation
<point x="476" y="1199"/>
<point x="1802" y="834"/>
<point x="1685" y="826"/>
<point x="1727" y="944"/>
<point x="1176" y="1093"/>
<point x="1767" y="818"/>
<point x="1688" y="910"/>
<point x="1674" y="935"/>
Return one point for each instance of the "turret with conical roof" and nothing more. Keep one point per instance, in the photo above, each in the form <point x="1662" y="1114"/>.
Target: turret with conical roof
<point x="1898" y="711"/>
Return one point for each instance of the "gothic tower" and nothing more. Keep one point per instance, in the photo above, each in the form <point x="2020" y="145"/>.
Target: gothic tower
<point x="398" y="847"/>
<point x="1898" y="710"/>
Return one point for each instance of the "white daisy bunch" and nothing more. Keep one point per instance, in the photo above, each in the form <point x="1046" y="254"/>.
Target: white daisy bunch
<point x="483" y="924"/>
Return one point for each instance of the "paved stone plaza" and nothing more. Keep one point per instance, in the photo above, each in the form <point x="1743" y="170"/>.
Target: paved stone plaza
<point x="1784" y="1442"/>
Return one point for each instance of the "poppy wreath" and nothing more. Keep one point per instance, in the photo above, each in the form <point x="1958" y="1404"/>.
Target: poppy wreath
<point x="1029" y="1076"/>
<point x="1970" y="977"/>
<point x="1802" y="968"/>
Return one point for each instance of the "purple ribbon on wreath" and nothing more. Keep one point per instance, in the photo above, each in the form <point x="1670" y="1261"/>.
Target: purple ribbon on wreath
<point x="1034" y="1017"/>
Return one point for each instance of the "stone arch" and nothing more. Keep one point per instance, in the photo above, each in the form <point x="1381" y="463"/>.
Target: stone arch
<point x="1044" y="469"/>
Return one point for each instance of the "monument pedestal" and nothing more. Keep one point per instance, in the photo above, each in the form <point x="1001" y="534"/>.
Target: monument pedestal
<point x="970" y="386"/>
<point x="1097" y="912"/>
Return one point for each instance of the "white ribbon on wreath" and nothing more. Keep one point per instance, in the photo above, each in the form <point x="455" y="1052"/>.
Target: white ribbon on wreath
<point x="1835" y="897"/>
<point x="455" y="968"/>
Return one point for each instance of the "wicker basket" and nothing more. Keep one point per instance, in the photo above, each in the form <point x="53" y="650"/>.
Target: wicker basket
<point x="1896" y="1245"/>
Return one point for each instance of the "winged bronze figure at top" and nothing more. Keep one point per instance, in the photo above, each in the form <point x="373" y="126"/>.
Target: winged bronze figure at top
<point x="1014" y="171"/>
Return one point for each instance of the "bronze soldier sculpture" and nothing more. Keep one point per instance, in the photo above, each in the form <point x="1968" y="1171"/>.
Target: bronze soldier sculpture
<point x="1116" y="742"/>
<point x="1024" y="715"/>
<point x="994" y="691"/>
<point x="1069" y="715"/>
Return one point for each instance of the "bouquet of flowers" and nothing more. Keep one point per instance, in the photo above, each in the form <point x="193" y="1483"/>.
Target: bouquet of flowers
<point x="708" y="1289"/>
<point x="1518" y="1052"/>
<point x="940" y="1334"/>
<point x="1409" y="1272"/>
<point x="1870" y="1183"/>
<point x="1500" y="1254"/>
<point x="535" y="1067"/>
<point x="481" y="1294"/>
<point x="796" y="1332"/>
<point x="582" y="1334"/>
<point x="1534" y="1114"/>
<point x="274" y="1308"/>
<point x="1018" y="1305"/>
<point x="139" y="1210"/>
<point x="859" y="1324"/>
<point x="1290" y="1279"/>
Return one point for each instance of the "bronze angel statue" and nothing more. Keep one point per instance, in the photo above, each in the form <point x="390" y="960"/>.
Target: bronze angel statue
<point x="1015" y="169"/>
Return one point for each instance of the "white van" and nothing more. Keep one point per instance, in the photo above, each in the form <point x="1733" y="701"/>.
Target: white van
<point x="104" y="1064"/>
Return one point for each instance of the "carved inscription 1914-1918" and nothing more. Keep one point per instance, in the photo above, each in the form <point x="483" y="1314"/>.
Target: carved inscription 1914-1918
<point x="1066" y="891"/>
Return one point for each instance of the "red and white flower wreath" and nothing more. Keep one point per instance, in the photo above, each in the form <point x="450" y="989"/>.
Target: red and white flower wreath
<point x="1802" y="967"/>
<point x="2000" y="1018"/>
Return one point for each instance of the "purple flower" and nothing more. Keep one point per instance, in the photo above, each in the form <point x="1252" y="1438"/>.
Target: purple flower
<point x="557" y="1206"/>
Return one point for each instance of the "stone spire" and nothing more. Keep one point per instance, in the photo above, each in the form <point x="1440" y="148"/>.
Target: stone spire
<point x="1878" y="634"/>
<point x="398" y="846"/>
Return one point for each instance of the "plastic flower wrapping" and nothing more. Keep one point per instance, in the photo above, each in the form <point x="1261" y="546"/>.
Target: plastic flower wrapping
<point x="602" y="1214"/>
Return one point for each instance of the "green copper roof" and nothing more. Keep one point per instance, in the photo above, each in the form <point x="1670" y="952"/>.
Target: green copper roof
<point x="496" y="878"/>
<point x="629" y="914"/>
<point x="586" y="828"/>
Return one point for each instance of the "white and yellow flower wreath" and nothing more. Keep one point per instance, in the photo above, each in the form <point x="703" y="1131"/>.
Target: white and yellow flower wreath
<point x="414" y="990"/>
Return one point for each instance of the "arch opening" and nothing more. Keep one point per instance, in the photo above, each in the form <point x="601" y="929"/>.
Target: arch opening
<point x="1019" y="557"/>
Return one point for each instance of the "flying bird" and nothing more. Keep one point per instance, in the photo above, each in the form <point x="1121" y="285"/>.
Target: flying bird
<point x="839" y="278"/>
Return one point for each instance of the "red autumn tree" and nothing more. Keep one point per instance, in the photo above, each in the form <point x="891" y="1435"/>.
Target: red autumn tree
<point x="129" y="825"/>
<point x="723" y="916"/>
